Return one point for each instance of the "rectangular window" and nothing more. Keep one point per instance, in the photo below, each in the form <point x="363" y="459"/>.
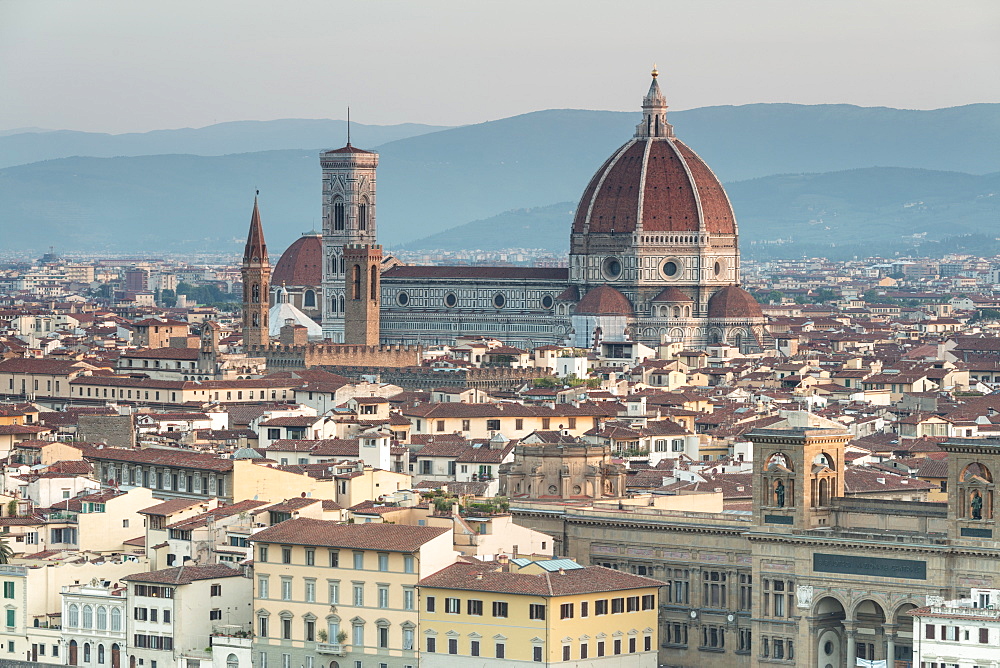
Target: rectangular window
<point x="383" y="637"/>
<point x="310" y="591"/>
<point x="262" y="627"/>
<point x="984" y="636"/>
<point x="11" y="619"/>
<point x="430" y="604"/>
<point x="358" y="633"/>
<point x="499" y="608"/>
<point x="262" y="554"/>
<point x="500" y="650"/>
<point x="631" y="645"/>
<point x="453" y="606"/>
<point x="536" y="651"/>
<point x="310" y="557"/>
<point x="334" y="591"/>
<point x="617" y="605"/>
<point x="383" y="597"/>
<point x="474" y="648"/>
<point x="407" y="563"/>
<point x="359" y="561"/>
<point x="216" y="590"/>
<point x="566" y="611"/>
<point x="536" y="611"/>
<point x="584" y="608"/>
<point x="214" y="614"/>
<point x="474" y="607"/>
<point x="618" y="645"/>
<point x="286" y="589"/>
<point x="359" y="595"/>
<point x="432" y="644"/>
<point x="632" y="604"/>
<point x="452" y="645"/>
<point x="565" y="652"/>
<point x="8" y="590"/>
<point x="286" y="629"/>
<point x="584" y="650"/>
<point x="601" y="607"/>
<point x="334" y="559"/>
<point x="647" y="643"/>
<point x="383" y="562"/>
<point x="286" y="555"/>
<point x="408" y="599"/>
<point x="649" y="602"/>
<point x="600" y="648"/>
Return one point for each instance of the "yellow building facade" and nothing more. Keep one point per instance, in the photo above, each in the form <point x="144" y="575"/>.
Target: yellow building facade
<point x="553" y="613"/>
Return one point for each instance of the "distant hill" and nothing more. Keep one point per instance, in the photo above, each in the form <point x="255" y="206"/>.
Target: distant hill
<point x="871" y="210"/>
<point x="20" y="147"/>
<point x="436" y="181"/>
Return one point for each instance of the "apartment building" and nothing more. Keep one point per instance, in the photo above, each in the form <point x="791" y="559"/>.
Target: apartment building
<point x="554" y="613"/>
<point x="346" y="593"/>
<point x="173" y="612"/>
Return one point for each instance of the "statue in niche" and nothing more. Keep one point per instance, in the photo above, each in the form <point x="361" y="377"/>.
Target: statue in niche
<point x="779" y="494"/>
<point x="977" y="506"/>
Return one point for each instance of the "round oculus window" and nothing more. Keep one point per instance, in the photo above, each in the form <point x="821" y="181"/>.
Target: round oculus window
<point x="828" y="648"/>
<point x="718" y="268"/>
<point x="450" y="300"/>
<point x="499" y="300"/>
<point x="547" y="302"/>
<point x="612" y="268"/>
<point x="669" y="268"/>
<point x="402" y="299"/>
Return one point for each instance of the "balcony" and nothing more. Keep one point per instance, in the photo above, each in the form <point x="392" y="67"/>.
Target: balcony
<point x="335" y="648"/>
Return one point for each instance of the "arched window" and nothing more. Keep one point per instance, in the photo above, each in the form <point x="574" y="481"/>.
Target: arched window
<point x="102" y="618"/>
<point x="342" y="265"/>
<point x="363" y="214"/>
<point x="255" y="320"/>
<point x="357" y="281"/>
<point x="232" y="661"/>
<point x="86" y="652"/>
<point x="341" y="299"/>
<point x="338" y="214"/>
<point x="255" y="293"/>
<point x="309" y="299"/>
<point x="74" y="615"/>
<point x="116" y="619"/>
<point x="374" y="284"/>
<point x="100" y="654"/>
<point x="88" y="617"/>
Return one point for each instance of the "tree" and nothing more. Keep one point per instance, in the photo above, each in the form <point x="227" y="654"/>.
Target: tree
<point x="5" y="552"/>
<point x="169" y="298"/>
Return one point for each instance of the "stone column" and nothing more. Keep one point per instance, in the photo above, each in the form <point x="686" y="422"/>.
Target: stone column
<point x="852" y="651"/>
<point x="889" y="631"/>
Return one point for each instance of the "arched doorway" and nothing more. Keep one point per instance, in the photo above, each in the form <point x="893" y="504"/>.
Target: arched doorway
<point x="115" y="656"/>
<point x="74" y="650"/>
<point x="869" y="632"/>
<point x="829" y="619"/>
<point x="901" y="634"/>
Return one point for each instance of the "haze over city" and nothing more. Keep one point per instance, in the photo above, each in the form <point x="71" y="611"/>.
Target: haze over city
<point x="115" y="66"/>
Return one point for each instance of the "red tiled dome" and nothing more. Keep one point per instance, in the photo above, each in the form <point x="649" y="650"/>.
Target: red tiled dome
<point x="301" y="263"/>
<point x="733" y="302"/>
<point x="604" y="300"/>
<point x="660" y="180"/>
<point x="671" y="294"/>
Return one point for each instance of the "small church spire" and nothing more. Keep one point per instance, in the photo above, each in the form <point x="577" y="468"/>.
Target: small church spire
<point x="654" y="111"/>
<point x="256" y="248"/>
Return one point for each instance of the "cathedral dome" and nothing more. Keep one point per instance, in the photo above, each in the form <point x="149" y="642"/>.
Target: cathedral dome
<point x="654" y="183"/>
<point x="301" y="263"/>
<point x="604" y="300"/>
<point x="733" y="302"/>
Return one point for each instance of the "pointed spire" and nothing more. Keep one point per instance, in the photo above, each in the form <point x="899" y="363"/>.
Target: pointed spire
<point x="654" y="111"/>
<point x="256" y="249"/>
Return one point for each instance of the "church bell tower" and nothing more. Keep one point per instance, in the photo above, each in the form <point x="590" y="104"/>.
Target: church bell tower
<point x="348" y="219"/>
<point x="256" y="272"/>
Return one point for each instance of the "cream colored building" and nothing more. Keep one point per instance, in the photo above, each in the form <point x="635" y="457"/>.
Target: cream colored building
<point x="342" y="592"/>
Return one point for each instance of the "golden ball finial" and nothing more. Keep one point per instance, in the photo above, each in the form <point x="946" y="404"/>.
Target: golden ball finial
<point x="655" y="72"/>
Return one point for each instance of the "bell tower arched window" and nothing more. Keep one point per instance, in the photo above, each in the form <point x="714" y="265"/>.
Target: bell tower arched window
<point x="363" y="214"/>
<point x="255" y="294"/>
<point x="357" y="281"/>
<point x="338" y="214"/>
<point x="374" y="284"/>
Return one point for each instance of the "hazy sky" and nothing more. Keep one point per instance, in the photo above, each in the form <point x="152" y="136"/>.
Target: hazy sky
<point x="122" y="66"/>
